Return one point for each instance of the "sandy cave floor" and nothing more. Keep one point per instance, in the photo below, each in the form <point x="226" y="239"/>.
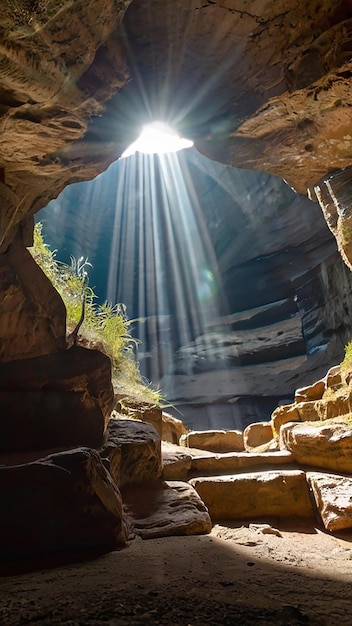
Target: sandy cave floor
<point x="237" y="575"/>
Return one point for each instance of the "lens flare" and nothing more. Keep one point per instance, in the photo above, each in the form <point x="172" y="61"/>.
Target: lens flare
<point x="157" y="138"/>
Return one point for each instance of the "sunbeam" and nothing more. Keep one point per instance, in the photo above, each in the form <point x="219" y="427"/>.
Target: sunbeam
<point x="162" y="258"/>
<point x="142" y="226"/>
<point x="157" y="138"/>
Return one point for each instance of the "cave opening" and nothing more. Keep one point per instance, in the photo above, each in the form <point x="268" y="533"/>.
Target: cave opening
<point x="228" y="288"/>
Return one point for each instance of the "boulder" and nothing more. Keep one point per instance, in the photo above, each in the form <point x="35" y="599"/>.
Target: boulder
<point x="176" y="461"/>
<point x="59" y="401"/>
<point x="333" y="377"/>
<point x="134" y="451"/>
<point x="312" y="392"/>
<point x="281" y="493"/>
<point x="172" y="428"/>
<point x="257" y="434"/>
<point x="143" y="411"/>
<point x="61" y="503"/>
<point x="282" y="415"/>
<point x="328" y="446"/>
<point x="214" y="440"/>
<point x="332" y="494"/>
<point x="161" y="509"/>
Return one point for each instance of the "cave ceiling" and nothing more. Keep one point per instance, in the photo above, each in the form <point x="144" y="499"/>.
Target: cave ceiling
<point x="256" y="84"/>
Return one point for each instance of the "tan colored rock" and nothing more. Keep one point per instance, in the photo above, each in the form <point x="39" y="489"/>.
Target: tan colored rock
<point x="282" y="415"/>
<point x="63" y="502"/>
<point x="172" y="428"/>
<point x="308" y="411"/>
<point x="256" y="434"/>
<point x="162" y="509"/>
<point x="322" y="445"/>
<point x="32" y="313"/>
<point x="146" y="412"/>
<point x="311" y="392"/>
<point x="282" y="493"/>
<point x="133" y="448"/>
<point x="176" y="461"/>
<point x="338" y="405"/>
<point x="234" y="461"/>
<point x="332" y="494"/>
<point x="333" y="377"/>
<point x="214" y="440"/>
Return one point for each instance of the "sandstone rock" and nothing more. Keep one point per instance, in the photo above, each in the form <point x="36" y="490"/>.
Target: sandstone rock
<point x="256" y="434"/>
<point x="282" y="493"/>
<point x="32" y="313"/>
<point x="172" y="428"/>
<point x="327" y="446"/>
<point x="134" y="450"/>
<point x="332" y="495"/>
<point x="333" y="377"/>
<point x="176" y="461"/>
<point x="143" y="411"/>
<point x="338" y="405"/>
<point x="311" y="392"/>
<point x="214" y="440"/>
<point x="58" y="401"/>
<point x="284" y="414"/>
<point x="168" y="508"/>
<point x="308" y="411"/>
<point x="236" y="461"/>
<point x="64" y="502"/>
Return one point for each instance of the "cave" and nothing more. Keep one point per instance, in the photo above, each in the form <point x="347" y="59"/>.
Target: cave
<point x="254" y="366"/>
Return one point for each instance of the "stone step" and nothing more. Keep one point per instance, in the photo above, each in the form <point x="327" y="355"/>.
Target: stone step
<point x="181" y="463"/>
<point x="165" y="508"/>
<point x="280" y="493"/>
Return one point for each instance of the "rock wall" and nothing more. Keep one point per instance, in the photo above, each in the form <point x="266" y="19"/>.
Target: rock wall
<point x="263" y="86"/>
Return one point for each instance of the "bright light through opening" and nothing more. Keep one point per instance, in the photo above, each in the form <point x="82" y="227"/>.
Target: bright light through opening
<point x="157" y="138"/>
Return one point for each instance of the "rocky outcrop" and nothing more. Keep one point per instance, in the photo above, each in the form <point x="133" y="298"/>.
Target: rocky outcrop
<point x="133" y="448"/>
<point x="256" y="87"/>
<point x="57" y="401"/>
<point x="62" y="503"/>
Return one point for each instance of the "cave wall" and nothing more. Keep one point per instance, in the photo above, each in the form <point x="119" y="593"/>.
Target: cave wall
<point x="257" y="85"/>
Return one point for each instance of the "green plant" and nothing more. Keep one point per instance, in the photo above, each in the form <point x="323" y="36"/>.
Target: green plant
<point x="100" y="325"/>
<point x="347" y="362"/>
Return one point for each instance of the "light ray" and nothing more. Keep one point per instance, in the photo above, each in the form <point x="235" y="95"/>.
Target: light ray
<point x="157" y="138"/>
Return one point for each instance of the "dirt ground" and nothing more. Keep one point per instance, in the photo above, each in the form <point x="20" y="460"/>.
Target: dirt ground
<point x="240" y="575"/>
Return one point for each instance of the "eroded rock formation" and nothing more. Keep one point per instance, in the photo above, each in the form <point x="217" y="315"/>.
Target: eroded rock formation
<point x="259" y="85"/>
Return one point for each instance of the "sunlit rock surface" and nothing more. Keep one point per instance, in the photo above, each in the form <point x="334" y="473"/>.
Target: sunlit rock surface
<point x="166" y="508"/>
<point x="321" y="445"/>
<point x="276" y="492"/>
<point x="333" y="498"/>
